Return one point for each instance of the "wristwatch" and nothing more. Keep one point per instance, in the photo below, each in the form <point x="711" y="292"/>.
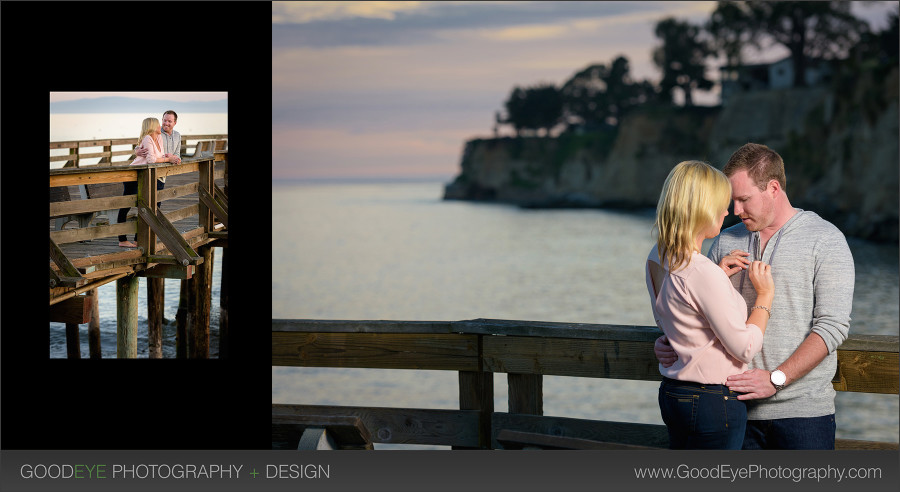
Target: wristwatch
<point x="778" y="379"/>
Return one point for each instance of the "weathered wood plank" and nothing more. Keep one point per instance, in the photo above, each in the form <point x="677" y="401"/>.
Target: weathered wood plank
<point x="348" y="431"/>
<point x="375" y="350"/>
<point x="92" y="205"/>
<point x="86" y="178"/>
<point x="571" y="357"/>
<point x="652" y="435"/>
<point x="76" y="310"/>
<point x="510" y="439"/>
<point x="868" y="372"/>
<point x="342" y="326"/>
<point x="402" y="425"/>
<point x="476" y="392"/>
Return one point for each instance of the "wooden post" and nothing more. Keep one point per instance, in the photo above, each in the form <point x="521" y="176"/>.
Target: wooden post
<point x="146" y="239"/>
<point x="73" y="344"/>
<point x="155" y="304"/>
<point x="205" y="178"/>
<point x="198" y="318"/>
<point x="94" y="325"/>
<point x="526" y="393"/>
<point x="126" y="317"/>
<point x="224" y="341"/>
<point x="181" y="321"/>
<point x="476" y="392"/>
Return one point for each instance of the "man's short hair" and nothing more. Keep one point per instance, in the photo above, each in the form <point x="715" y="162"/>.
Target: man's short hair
<point x="173" y="113"/>
<point x="761" y="163"/>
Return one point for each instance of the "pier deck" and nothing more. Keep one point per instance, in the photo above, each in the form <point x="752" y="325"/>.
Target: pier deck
<point x="175" y="230"/>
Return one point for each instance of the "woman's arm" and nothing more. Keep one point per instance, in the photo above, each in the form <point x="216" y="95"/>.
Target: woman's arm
<point x="726" y="312"/>
<point x="154" y="156"/>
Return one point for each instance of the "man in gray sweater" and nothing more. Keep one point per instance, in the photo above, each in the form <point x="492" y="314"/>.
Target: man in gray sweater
<point x="788" y="390"/>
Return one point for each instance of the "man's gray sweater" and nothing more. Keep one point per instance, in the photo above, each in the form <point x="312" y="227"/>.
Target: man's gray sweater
<point x="814" y="275"/>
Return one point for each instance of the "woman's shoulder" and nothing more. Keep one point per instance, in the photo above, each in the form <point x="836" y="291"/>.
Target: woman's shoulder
<point x="703" y="265"/>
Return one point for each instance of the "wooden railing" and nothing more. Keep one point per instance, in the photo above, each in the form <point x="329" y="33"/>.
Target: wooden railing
<point x="151" y="225"/>
<point x="525" y="351"/>
<point x="125" y="148"/>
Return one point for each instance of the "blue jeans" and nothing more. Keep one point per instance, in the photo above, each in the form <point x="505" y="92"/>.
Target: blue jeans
<point x="791" y="433"/>
<point x="131" y="188"/>
<point x="702" y="416"/>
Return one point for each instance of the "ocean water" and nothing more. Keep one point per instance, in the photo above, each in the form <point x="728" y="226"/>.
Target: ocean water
<point x="396" y="251"/>
<point x="107" y="307"/>
<point x="92" y="126"/>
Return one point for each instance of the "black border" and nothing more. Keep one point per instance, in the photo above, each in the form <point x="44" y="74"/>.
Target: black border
<point x="134" y="404"/>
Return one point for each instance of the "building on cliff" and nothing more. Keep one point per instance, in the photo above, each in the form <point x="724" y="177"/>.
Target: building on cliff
<point x="766" y="76"/>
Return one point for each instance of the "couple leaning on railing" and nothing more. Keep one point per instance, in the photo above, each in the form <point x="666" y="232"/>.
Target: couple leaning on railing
<point x="157" y="143"/>
<point x="785" y="323"/>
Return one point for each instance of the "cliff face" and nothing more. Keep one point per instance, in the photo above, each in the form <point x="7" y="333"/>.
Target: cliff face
<point x="840" y="148"/>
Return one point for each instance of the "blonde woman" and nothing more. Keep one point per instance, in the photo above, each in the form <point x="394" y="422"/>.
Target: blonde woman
<point x="151" y="141"/>
<point x="701" y="313"/>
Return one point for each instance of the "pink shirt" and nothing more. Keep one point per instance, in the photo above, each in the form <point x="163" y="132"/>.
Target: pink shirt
<point x="705" y="319"/>
<point x="155" y="153"/>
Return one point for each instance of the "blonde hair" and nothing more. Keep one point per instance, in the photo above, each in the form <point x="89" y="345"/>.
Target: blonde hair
<point x="692" y="197"/>
<point x="148" y="126"/>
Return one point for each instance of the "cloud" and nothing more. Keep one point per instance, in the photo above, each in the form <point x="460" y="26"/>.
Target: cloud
<point x="304" y="12"/>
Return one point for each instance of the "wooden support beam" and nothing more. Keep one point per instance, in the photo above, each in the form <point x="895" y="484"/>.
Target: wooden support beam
<point x="146" y="202"/>
<point x="73" y="344"/>
<point x="222" y="196"/>
<point x="181" y="320"/>
<point x="126" y="317"/>
<point x="169" y="235"/>
<point x="205" y="178"/>
<point x="169" y="271"/>
<point x="156" y="291"/>
<point x="224" y="333"/>
<point x="94" y="325"/>
<point x="214" y="205"/>
<point x="75" y="310"/>
<point x="476" y="392"/>
<point x="526" y="393"/>
<point x="198" y="317"/>
<point x="69" y="276"/>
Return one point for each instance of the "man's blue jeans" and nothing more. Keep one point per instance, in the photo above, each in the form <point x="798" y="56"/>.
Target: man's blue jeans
<point x="791" y="433"/>
<point x="702" y="416"/>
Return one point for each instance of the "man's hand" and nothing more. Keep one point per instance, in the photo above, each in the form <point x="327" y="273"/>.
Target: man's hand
<point x="664" y="351"/>
<point x="141" y="151"/>
<point x="756" y="383"/>
<point x="734" y="262"/>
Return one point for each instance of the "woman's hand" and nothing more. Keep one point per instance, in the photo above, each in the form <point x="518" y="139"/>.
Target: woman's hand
<point x="761" y="276"/>
<point x="734" y="262"/>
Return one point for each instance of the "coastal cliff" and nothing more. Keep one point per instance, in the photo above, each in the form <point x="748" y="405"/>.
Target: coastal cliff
<point x="839" y="144"/>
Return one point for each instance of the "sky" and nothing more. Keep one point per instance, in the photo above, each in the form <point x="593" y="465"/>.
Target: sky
<point x="168" y="96"/>
<point x="375" y="89"/>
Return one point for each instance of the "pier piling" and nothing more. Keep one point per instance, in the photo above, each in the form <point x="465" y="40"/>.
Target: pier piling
<point x="126" y="317"/>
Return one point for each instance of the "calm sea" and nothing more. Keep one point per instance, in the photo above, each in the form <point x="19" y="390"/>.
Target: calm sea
<point x="398" y="252"/>
<point x="71" y="126"/>
<point x="92" y="126"/>
<point x="107" y="306"/>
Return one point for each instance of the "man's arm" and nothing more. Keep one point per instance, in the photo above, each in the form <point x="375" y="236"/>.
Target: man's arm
<point x="757" y="383"/>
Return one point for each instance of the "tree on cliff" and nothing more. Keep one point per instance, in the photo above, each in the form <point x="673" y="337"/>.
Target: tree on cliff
<point x="682" y="58"/>
<point x="808" y="29"/>
<point x="533" y="108"/>
<point x="600" y="95"/>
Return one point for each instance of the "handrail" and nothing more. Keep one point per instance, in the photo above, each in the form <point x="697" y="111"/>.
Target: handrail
<point x="151" y="223"/>
<point x="74" y="157"/>
<point x="525" y="350"/>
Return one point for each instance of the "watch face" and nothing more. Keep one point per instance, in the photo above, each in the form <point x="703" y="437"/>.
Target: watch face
<point x="778" y="377"/>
